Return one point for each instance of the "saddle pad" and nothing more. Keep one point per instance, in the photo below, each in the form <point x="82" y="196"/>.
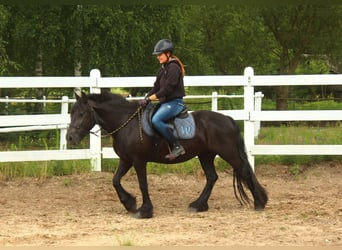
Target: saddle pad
<point x="183" y="128"/>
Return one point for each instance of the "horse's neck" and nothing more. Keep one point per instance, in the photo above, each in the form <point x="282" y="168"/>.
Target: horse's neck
<point x="115" y="120"/>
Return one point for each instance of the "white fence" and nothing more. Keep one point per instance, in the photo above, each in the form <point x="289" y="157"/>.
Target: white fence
<point x="251" y="114"/>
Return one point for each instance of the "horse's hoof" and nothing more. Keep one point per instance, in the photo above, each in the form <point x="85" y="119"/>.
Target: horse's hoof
<point x="259" y="209"/>
<point x="192" y="210"/>
<point x="139" y="215"/>
<point x="194" y="207"/>
<point x="130" y="204"/>
<point x="132" y="209"/>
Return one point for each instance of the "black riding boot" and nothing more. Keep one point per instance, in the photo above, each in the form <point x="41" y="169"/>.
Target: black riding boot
<point x="177" y="150"/>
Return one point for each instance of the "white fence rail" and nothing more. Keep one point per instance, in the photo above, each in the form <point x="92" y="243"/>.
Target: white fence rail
<point x="251" y="114"/>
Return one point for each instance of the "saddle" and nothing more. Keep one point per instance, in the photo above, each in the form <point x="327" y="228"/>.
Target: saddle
<point x="183" y="125"/>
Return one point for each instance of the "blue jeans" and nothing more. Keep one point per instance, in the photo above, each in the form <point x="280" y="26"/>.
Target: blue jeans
<point x="166" y="112"/>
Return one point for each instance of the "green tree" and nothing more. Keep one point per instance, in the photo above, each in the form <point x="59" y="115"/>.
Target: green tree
<point x="6" y="64"/>
<point x="73" y="39"/>
<point x="36" y="41"/>
<point x="298" y="30"/>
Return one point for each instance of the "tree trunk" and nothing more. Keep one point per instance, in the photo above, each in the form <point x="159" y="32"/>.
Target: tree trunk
<point x="77" y="72"/>
<point x="78" y="69"/>
<point x="288" y="65"/>
<point x="39" y="92"/>
<point x="282" y="93"/>
<point x="39" y="64"/>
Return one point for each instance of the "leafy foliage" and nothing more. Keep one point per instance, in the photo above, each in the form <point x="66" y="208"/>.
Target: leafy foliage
<point x="66" y="40"/>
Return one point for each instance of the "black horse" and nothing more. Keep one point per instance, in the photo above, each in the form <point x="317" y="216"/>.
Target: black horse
<point x="216" y="134"/>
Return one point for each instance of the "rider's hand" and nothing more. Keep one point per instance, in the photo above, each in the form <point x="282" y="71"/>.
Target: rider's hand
<point x="144" y="101"/>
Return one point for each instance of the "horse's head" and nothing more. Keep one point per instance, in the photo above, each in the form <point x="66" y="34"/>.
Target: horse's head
<point x="82" y="120"/>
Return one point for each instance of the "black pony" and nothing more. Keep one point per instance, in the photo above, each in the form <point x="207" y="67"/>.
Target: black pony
<point x="216" y="134"/>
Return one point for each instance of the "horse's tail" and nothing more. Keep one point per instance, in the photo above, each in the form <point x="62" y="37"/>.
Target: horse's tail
<point x="246" y="176"/>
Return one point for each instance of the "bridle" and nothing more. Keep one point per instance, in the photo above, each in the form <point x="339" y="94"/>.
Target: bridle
<point x="137" y="112"/>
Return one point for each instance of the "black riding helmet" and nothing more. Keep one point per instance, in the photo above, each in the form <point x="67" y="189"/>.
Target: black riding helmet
<point x="163" y="46"/>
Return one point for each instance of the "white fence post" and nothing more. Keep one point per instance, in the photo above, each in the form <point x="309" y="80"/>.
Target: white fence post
<point x="249" y="107"/>
<point x="6" y="105"/>
<point x="257" y="107"/>
<point x="95" y="139"/>
<point x="44" y="103"/>
<point x="63" y="132"/>
<point x="214" y="98"/>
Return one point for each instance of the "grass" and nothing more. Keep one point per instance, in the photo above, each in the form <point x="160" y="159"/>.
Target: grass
<point x="125" y="242"/>
<point x="190" y="167"/>
<point x="299" y="135"/>
<point x="268" y="135"/>
<point x="285" y="134"/>
<point x="269" y="104"/>
<point x="288" y="133"/>
<point x="42" y="169"/>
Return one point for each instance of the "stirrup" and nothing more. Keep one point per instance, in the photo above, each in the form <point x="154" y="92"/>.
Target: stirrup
<point x="175" y="153"/>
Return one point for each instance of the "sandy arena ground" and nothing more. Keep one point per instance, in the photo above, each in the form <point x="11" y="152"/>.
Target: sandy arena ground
<point x="83" y="210"/>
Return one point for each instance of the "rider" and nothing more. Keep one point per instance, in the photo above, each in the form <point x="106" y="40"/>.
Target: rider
<point x="169" y="90"/>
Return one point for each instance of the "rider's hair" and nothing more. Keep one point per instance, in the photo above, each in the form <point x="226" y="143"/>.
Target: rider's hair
<point x="180" y="64"/>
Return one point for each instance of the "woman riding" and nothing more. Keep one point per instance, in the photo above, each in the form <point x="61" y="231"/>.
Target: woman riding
<point x="169" y="90"/>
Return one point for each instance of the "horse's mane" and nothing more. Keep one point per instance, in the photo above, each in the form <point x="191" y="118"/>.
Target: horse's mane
<point x="110" y="99"/>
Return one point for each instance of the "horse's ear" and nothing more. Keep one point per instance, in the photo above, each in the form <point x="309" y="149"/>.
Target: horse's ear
<point x="80" y="95"/>
<point x="77" y="93"/>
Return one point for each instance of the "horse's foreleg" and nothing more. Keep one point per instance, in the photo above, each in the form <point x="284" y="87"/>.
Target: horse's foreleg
<point x="146" y="209"/>
<point x="207" y="163"/>
<point x="126" y="198"/>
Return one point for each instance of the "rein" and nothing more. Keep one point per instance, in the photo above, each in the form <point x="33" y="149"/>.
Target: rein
<point x="137" y="112"/>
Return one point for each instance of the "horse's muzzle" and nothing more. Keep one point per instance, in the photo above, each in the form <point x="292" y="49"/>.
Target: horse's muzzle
<point x="72" y="139"/>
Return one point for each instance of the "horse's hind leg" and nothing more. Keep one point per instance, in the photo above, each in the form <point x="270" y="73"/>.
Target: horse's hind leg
<point x="126" y="198"/>
<point x="207" y="163"/>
